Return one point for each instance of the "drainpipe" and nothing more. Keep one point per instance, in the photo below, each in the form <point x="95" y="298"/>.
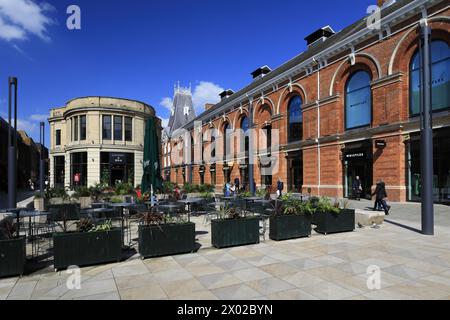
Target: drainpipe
<point x="318" y="128"/>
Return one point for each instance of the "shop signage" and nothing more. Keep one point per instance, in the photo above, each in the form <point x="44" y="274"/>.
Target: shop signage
<point x="380" y="143"/>
<point x="117" y="158"/>
<point x="355" y="155"/>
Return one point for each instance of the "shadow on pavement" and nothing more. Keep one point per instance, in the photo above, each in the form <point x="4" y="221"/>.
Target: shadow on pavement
<point x="403" y="226"/>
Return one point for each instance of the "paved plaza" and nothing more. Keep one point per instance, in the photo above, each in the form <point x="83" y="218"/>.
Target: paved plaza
<point x="412" y="266"/>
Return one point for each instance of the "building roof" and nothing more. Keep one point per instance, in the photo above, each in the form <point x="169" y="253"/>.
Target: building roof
<point x="310" y="53"/>
<point x="182" y="109"/>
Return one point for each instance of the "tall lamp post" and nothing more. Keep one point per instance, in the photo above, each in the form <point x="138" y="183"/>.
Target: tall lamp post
<point x="426" y="131"/>
<point x="41" y="162"/>
<point x="250" y="151"/>
<point x="12" y="145"/>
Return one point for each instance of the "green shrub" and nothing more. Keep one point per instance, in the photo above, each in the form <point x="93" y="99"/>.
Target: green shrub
<point x="81" y="192"/>
<point x="325" y="205"/>
<point x="123" y="189"/>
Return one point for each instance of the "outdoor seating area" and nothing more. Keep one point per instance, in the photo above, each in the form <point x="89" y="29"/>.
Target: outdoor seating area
<point x="108" y="231"/>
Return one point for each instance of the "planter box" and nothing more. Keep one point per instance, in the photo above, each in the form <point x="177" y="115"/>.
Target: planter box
<point x="12" y="257"/>
<point x="285" y="227"/>
<point x="333" y="223"/>
<point x="234" y="232"/>
<point x="41" y="204"/>
<point x="87" y="248"/>
<point x="85" y="202"/>
<point x="57" y="201"/>
<point x="164" y="240"/>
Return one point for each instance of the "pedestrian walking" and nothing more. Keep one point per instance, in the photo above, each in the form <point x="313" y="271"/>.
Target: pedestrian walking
<point x="236" y="184"/>
<point x="280" y="187"/>
<point x="380" y="197"/>
<point x="357" y="188"/>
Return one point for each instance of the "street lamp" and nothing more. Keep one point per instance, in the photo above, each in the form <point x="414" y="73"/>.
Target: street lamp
<point x="12" y="145"/>
<point x="426" y="130"/>
<point x="41" y="162"/>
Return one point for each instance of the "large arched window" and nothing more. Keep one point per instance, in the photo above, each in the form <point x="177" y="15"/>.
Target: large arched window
<point x="245" y="127"/>
<point x="226" y="150"/>
<point x="440" y="71"/>
<point x="358" y="100"/>
<point x="295" y="119"/>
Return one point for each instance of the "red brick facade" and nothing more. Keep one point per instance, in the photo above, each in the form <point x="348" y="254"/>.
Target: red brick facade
<point x="387" y="60"/>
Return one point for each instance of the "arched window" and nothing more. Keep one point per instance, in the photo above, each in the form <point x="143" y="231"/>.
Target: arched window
<point x="440" y="78"/>
<point x="358" y="100"/>
<point x="226" y="150"/>
<point x="213" y="147"/>
<point x="295" y="119"/>
<point x="245" y="127"/>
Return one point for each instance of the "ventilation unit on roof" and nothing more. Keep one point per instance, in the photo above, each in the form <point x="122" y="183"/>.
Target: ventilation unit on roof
<point x="319" y="36"/>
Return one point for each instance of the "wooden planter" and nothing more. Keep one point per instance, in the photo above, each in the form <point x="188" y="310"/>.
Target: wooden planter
<point x="12" y="257"/>
<point x="87" y="248"/>
<point x="40" y="204"/>
<point x="333" y="223"/>
<point x="164" y="240"/>
<point x="234" y="232"/>
<point x="284" y="227"/>
<point x="85" y="202"/>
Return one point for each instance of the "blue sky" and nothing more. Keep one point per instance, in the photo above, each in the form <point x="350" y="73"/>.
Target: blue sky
<point x="138" y="49"/>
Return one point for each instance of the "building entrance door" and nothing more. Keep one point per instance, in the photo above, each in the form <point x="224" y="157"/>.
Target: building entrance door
<point x="295" y="178"/>
<point x="117" y="174"/>
<point x="358" y="162"/>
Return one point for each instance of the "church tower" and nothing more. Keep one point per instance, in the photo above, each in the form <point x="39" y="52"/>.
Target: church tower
<point x="182" y="109"/>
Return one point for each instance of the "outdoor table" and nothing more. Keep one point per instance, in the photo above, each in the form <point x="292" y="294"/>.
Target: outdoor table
<point x="189" y="202"/>
<point x="169" y="207"/>
<point x="99" y="211"/>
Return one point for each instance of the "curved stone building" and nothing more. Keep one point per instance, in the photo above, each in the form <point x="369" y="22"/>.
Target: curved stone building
<point x="98" y="139"/>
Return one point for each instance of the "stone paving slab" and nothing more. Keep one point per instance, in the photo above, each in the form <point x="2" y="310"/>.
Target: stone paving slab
<point x="412" y="267"/>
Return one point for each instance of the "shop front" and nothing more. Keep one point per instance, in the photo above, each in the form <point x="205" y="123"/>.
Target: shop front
<point x="116" y="167"/>
<point x="358" y="162"/>
<point x="441" y="177"/>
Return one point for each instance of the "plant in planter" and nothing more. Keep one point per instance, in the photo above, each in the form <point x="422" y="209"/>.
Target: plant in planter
<point x="233" y="228"/>
<point x="83" y="194"/>
<point x="40" y="202"/>
<point x="162" y="236"/>
<point x="12" y="250"/>
<point x="291" y="219"/>
<point x="330" y="218"/>
<point x="57" y="195"/>
<point x="89" y="244"/>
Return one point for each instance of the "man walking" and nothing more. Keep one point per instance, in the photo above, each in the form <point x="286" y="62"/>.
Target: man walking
<point x="380" y="196"/>
<point x="357" y="188"/>
<point x="236" y="184"/>
<point x="280" y="187"/>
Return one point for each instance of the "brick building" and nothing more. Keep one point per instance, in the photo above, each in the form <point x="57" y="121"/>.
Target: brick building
<point x="347" y="106"/>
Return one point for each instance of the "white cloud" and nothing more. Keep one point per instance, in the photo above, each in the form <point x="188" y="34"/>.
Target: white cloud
<point x="164" y="122"/>
<point x="27" y="126"/>
<point x="39" y="117"/>
<point x="18" y="18"/>
<point x="205" y="92"/>
<point x="167" y="103"/>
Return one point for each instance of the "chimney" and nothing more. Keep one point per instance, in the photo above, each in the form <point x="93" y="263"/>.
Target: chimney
<point x="227" y="93"/>
<point x="319" y="36"/>
<point x="261" y="72"/>
<point x="208" y="106"/>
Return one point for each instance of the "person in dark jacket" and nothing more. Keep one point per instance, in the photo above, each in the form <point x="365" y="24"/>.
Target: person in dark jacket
<point x="380" y="196"/>
<point x="280" y="187"/>
<point x="357" y="188"/>
<point x="237" y="184"/>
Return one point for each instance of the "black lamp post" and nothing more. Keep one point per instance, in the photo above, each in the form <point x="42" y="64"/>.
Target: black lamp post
<point x="41" y="162"/>
<point x="426" y="132"/>
<point x="12" y="145"/>
<point x="250" y="151"/>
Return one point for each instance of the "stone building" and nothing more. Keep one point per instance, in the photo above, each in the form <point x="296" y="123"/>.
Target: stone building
<point x="98" y="139"/>
<point x="347" y="106"/>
